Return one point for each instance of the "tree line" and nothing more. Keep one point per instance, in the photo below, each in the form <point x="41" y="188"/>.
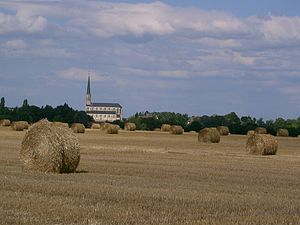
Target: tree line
<point x="31" y="113"/>
<point x="236" y="125"/>
<point x="150" y="120"/>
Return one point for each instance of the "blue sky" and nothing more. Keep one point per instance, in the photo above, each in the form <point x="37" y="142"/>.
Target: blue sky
<point x="195" y="57"/>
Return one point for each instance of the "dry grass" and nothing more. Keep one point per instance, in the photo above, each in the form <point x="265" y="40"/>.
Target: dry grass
<point x="154" y="178"/>
<point x="95" y="126"/>
<point x="223" y="130"/>
<point x="209" y="135"/>
<point x="130" y="126"/>
<point x="113" y="129"/>
<point x="49" y="148"/>
<point x="262" y="144"/>
<point x="166" y="127"/>
<point x="175" y="129"/>
<point x="5" y="123"/>
<point x="250" y="132"/>
<point x="17" y="126"/>
<point x="60" y="124"/>
<point x="282" y="132"/>
<point x="78" y="128"/>
<point x="260" y="130"/>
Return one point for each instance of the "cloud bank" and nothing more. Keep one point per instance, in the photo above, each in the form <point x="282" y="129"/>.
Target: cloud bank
<point x="164" y="46"/>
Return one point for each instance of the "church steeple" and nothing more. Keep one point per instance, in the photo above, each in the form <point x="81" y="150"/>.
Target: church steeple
<point x="88" y="90"/>
<point x="88" y="97"/>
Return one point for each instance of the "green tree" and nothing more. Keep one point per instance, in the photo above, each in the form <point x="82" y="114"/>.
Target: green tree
<point x="2" y="103"/>
<point x="234" y="123"/>
<point x="196" y="125"/>
<point x="247" y="123"/>
<point x="82" y="117"/>
<point x="25" y="103"/>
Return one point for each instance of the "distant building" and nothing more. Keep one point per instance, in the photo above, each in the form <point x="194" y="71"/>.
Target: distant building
<point x="102" y="112"/>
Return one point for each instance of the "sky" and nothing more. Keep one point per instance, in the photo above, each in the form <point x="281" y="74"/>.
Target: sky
<point x="196" y="57"/>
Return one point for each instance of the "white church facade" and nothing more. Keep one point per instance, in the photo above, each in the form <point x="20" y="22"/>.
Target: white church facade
<point x="102" y="112"/>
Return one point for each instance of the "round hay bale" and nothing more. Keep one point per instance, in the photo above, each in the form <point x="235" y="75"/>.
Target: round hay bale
<point x="25" y="124"/>
<point x="250" y="132"/>
<point x="282" y="133"/>
<point x="5" y="123"/>
<point x="176" y="129"/>
<point x="95" y="126"/>
<point x="104" y="126"/>
<point x="78" y="128"/>
<point x="130" y="126"/>
<point x="262" y="144"/>
<point x="17" y="126"/>
<point x="223" y="130"/>
<point x="165" y="128"/>
<point x="260" y="130"/>
<point x="209" y="135"/>
<point x="61" y="124"/>
<point x="48" y="148"/>
<point x="112" y="129"/>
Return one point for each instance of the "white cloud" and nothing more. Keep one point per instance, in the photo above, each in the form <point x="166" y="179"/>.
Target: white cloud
<point x="276" y="28"/>
<point x="21" y="23"/>
<point x="246" y="60"/>
<point x="15" y="45"/>
<point x="104" y="19"/>
<point x="155" y="45"/>
<point x="43" y="48"/>
<point x="81" y="74"/>
<point x="218" y="43"/>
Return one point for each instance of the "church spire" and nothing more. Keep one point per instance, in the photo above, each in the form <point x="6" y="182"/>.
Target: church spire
<point x="88" y="97"/>
<point x="88" y="90"/>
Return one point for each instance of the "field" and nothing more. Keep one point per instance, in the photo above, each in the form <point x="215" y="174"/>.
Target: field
<point x="154" y="178"/>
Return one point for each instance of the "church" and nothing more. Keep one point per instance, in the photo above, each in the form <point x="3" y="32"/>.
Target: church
<point x="102" y="112"/>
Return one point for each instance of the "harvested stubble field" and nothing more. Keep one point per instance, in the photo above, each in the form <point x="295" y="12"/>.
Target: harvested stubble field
<point x="154" y="178"/>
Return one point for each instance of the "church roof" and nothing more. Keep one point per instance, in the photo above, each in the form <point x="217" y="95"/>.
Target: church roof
<point x="106" y="105"/>
<point x="102" y="112"/>
<point x="88" y="90"/>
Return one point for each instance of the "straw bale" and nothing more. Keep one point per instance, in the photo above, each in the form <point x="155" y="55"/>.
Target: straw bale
<point x="223" y="130"/>
<point x="78" y="128"/>
<point x="113" y="129"/>
<point x="157" y="129"/>
<point x="262" y="144"/>
<point x="209" y="135"/>
<point x="165" y="128"/>
<point x="104" y="126"/>
<point x="65" y="125"/>
<point x="5" y="123"/>
<point x="282" y="133"/>
<point x="48" y="148"/>
<point x="130" y="126"/>
<point x="176" y="129"/>
<point x="250" y="132"/>
<point x="260" y="130"/>
<point x="95" y="126"/>
<point x="25" y="124"/>
<point x="17" y="126"/>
